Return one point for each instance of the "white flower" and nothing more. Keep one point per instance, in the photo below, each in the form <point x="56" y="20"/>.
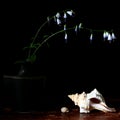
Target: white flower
<point x="70" y="12"/>
<point x="80" y="25"/>
<point x="76" y="28"/>
<point x="58" y="15"/>
<point x="65" y="15"/>
<point x="91" y="37"/>
<point x="58" y="21"/>
<point x="109" y="37"/>
<point x="105" y="35"/>
<point x="113" y="36"/>
<point x="66" y="36"/>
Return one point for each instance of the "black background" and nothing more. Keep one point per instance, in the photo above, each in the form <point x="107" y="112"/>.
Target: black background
<point x="76" y="66"/>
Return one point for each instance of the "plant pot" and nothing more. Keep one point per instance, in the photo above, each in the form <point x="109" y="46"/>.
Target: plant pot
<point x="22" y="93"/>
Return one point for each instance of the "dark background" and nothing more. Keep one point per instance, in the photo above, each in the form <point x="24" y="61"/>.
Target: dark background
<point x="77" y="66"/>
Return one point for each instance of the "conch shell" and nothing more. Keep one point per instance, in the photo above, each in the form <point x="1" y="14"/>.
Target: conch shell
<point x="90" y="101"/>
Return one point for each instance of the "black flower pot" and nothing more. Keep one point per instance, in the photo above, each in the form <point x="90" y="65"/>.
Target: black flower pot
<point x="22" y="93"/>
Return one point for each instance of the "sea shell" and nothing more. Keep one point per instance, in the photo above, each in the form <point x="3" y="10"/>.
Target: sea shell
<point x="90" y="101"/>
<point x="64" y="109"/>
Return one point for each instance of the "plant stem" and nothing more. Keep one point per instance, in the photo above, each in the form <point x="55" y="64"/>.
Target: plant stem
<point x="36" y="35"/>
<point x="45" y="40"/>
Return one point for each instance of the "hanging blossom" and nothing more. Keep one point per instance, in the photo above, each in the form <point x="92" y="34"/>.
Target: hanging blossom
<point x="80" y="26"/>
<point x="70" y="12"/>
<point x="66" y="36"/>
<point x="57" y="15"/>
<point x="105" y="35"/>
<point x="65" y="16"/>
<point x="109" y="36"/>
<point x="58" y="19"/>
<point x="91" y="37"/>
<point x="76" y="29"/>
<point x="113" y="36"/>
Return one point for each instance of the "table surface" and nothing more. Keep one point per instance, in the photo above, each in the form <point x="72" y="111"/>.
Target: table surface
<point x="73" y="114"/>
<point x="57" y="115"/>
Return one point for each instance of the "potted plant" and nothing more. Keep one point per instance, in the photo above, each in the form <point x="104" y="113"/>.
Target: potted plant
<point x="53" y="26"/>
<point x="28" y="79"/>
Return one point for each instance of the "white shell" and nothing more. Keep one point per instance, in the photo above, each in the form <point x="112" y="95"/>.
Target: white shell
<point x="64" y="109"/>
<point x="90" y="101"/>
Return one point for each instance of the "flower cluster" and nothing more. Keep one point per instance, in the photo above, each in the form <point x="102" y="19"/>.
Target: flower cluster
<point x="60" y="19"/>
<point x="107" y="35"/>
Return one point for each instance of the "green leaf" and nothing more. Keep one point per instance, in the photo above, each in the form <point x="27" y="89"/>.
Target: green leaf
<point x="32" y="58"/>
